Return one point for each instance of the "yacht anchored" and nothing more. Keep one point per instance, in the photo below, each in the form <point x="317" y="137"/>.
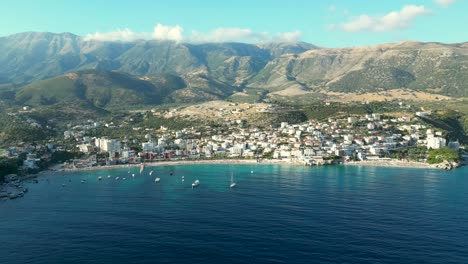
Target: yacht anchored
<point x="195" y="183"/>
<point x="233" y="183"/>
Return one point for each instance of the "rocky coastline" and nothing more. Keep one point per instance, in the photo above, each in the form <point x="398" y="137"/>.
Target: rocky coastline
<point x="12" y="188"/>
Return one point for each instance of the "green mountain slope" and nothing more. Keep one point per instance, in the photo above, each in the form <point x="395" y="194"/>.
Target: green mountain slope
<point x="216" y="70"/>
<point x="93" y="88"/>
<point x="430" y="67"/>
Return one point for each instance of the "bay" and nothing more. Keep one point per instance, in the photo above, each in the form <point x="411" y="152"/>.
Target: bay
<point x="275" y="214"/>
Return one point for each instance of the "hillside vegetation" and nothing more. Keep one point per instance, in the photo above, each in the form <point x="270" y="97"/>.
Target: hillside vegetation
<point x="218" y="70"/>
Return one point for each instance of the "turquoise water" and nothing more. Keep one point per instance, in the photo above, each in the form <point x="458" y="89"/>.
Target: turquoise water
<point x="277" y="214"/>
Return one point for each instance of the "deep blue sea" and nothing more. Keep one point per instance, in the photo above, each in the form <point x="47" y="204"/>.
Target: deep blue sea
<point x="276" y="214"/>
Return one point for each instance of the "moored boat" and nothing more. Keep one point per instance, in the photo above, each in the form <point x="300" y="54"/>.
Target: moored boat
<point x="195" y="183"/>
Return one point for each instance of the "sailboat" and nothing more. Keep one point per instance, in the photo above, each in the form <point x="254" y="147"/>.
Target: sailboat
<point x="233" y="184"/>
<point x="195" y="183"/>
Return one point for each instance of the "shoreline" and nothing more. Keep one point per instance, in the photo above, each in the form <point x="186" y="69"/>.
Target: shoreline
<point x="391" y="163"/>
<point x="17" y="188"/>
<point x="174" y="162"/>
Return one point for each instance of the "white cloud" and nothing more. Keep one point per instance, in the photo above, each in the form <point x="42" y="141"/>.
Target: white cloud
<point x="392" y="21"/>
<point x="444" y="3"/>
<point x="118" y="35"/>
<point x="243" y="35"/>
<point x="162" y="32"/>
<point x="176" y="33"/>
<point x="288" y="36"/>
<point x="223" y="35"/>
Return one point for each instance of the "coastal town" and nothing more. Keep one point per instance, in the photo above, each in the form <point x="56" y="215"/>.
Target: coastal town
<point x="371" y="138"/>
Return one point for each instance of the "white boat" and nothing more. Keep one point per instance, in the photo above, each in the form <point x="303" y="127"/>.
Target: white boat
<point x="116" y="178"/>
<point x="108" y="176"/>
<point x="124" y="179"/>
<point x="195" y="183"/>
<point x="142" y="168"/>
<point x="157" y="180"/>
<point x="99" y="178"/>
<point x="133" y="174"/>
<point x="151" y="172"/>
<point x="233" y="184"/>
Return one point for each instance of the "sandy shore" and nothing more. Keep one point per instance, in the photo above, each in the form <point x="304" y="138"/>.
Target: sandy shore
<point x="391" y="163"/>
<point x="175" y="162"/>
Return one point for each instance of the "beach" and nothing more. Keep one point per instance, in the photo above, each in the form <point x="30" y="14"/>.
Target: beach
<point x="376" y="163"/>
<point x="175" y="162"/>
<point x="390" y="163"/>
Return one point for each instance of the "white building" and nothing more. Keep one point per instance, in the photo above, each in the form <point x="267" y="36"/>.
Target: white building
<point x="435" y="142"/>
<point x="108" y="145"/>
<point x="371" y="126"/>
<point x="148" y="146"/>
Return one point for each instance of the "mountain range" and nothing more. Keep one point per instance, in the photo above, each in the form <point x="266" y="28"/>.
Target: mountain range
<point x="43" y="68"/>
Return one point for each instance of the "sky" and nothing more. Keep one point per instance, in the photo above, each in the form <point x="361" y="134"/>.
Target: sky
<point x="326" y="23"/>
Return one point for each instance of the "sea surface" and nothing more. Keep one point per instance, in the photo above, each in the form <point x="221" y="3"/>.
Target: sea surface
<point x="275" y="214"/>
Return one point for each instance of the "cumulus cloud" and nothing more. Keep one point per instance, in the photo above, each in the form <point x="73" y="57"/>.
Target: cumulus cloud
<point x="162" y="32"/>
<point x="118" y="35"/>
<point x="176" y="33"/>
<point x="445" y="3"/>
<point x="224" y="35"/>
<point x="392" y="21"/>
<point x="243" y="35"/>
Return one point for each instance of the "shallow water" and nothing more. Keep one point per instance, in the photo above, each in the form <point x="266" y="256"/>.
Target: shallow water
<point x="277" y="214"/>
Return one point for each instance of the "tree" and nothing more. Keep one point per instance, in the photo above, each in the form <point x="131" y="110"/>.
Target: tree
<point x="442" y="154"/>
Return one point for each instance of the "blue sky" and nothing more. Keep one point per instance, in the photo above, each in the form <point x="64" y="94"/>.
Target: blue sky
<point x="337" y="23"/>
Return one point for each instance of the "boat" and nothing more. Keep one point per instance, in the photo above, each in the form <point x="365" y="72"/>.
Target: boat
<point x="100" y="178"/>
<point x="233" y="184"/>
<point x="142" y="168"/>
<point x="116" y="178"/>
<point x="151" y="172"/>
<point x="195" y="183"/>
<point x="108" y="176"/>
<point x="133" y="174"/>
<point x="124" y="179"/>
<point x="157" y="180"/>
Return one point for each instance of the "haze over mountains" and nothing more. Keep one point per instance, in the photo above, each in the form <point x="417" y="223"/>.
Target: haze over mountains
<point x="164" y="71"/>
